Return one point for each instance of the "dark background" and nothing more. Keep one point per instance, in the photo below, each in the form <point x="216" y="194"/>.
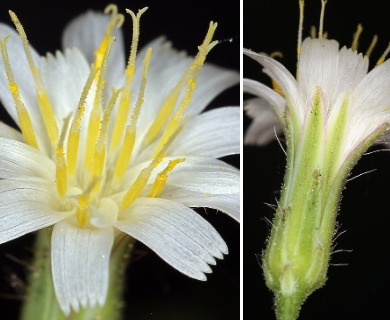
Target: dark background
<point x="359" y="290"/>
<point x="154" y="289"/>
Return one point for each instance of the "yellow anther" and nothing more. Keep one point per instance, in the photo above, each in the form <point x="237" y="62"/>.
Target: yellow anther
<point x="92" y="136"/>
<point x="24" y="119"/>
<point x="161" y="178"/>
<point x="100" y="149"/>
<point x="356" y="36"/>
<point x="321" y="27"/>
<point x="139" y="184"/>
<point x="130" y="135"/>
<point x="96" y="112"/>
<point x="74" y="132"/>
<point x="61" y="175"/>
<point x="190" y="77"/>
<point x="383" y="56"/>
<point x="300" y="26"/>
<point x="277" y="88"/>
<point x="125" y="101"/>
<point x="372" y="46"/>
<point x="43" y="98"/>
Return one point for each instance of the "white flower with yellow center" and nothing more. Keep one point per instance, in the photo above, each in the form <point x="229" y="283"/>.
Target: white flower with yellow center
<point x="330" y="114"/>
<point x="107" y="149"/>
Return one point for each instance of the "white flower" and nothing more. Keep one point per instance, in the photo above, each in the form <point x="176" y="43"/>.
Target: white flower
<point x="95" y="161"/>
<point x="330" y="114"/>
<point x="341" y="76"/>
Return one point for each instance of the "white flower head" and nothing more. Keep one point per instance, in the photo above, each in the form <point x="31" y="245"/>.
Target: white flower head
<point x="108" y="148"/>
<point x="341" y="81"/>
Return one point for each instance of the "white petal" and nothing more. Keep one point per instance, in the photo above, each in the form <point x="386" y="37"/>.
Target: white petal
<point x="352" y="69"/>
<point x="18" y="160"/>
<point x="318" y="66"/>
<point x="271" y="98"/>
<point x="211" y="183"/>
<point x="265" y="124"/>
<point x="64" y="76"/>
<point x="10" y="133"/>
<point x="26" y="206"/>
<point x="278" y="73"/>
<point x="372" y="93"/>
<point x="80" y="265"/>
<point x="227" y="203"/>
<point x="24" y="80"/>
<point x="167" y="67"/>
<point x="176" y="233"/>
<point x="86" y="33"/>
<point x="213" y="80"/>
<point x="214" y="134"/>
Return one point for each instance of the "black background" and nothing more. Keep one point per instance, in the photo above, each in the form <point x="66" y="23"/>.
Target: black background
<point x="361" y="289"/>
<point x="154" y="289"/>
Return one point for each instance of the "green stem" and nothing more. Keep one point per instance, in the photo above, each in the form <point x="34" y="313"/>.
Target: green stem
<point x="40" y="301"/>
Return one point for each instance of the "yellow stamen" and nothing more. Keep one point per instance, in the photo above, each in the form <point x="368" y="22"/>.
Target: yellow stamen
<point x="74" y="132"/>
<point x="61" y="175"/>
<point x="300" y="27"/>
<point x="356" y="36"/>
<point x="82" y="213"/>
<point x="277" y="88"/>
<point x="130" y="135"/>
<point x="116" y="21"/>
<point x="321" y="27"/>
<point x="142" y="179"/>
<point x="100" y="149"/>
<point x="161" y="178"/>
<point x="24" y="119"/>
<point x="383" y="57"/>
<point x="43" y="98"/>
<point x="125" y="101"/>
<point x="372" y="46"/>
<point x="101" y="74"/>
<point x="96" y="112"/>
<point x="191" y="76"/>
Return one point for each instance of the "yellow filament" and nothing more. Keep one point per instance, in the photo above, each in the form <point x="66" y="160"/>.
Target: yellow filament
<point x="190" y="76"/>
<point x="300" y="27"/>
<point x="74" y="132"/>
<point x="61" y="175"/>
<point x="161" y="178"/>
<point x="356" y="36"/>
<point x="372" y="46"/>
<point x="384" y="55"/>
<point x="125" y="101"/>
<point x="100" y="149"/>
<point x="43" y="98"/>
<point x="24" y="118"/>
<point x="130" y="135"/>
<point x="321" y="27"/>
